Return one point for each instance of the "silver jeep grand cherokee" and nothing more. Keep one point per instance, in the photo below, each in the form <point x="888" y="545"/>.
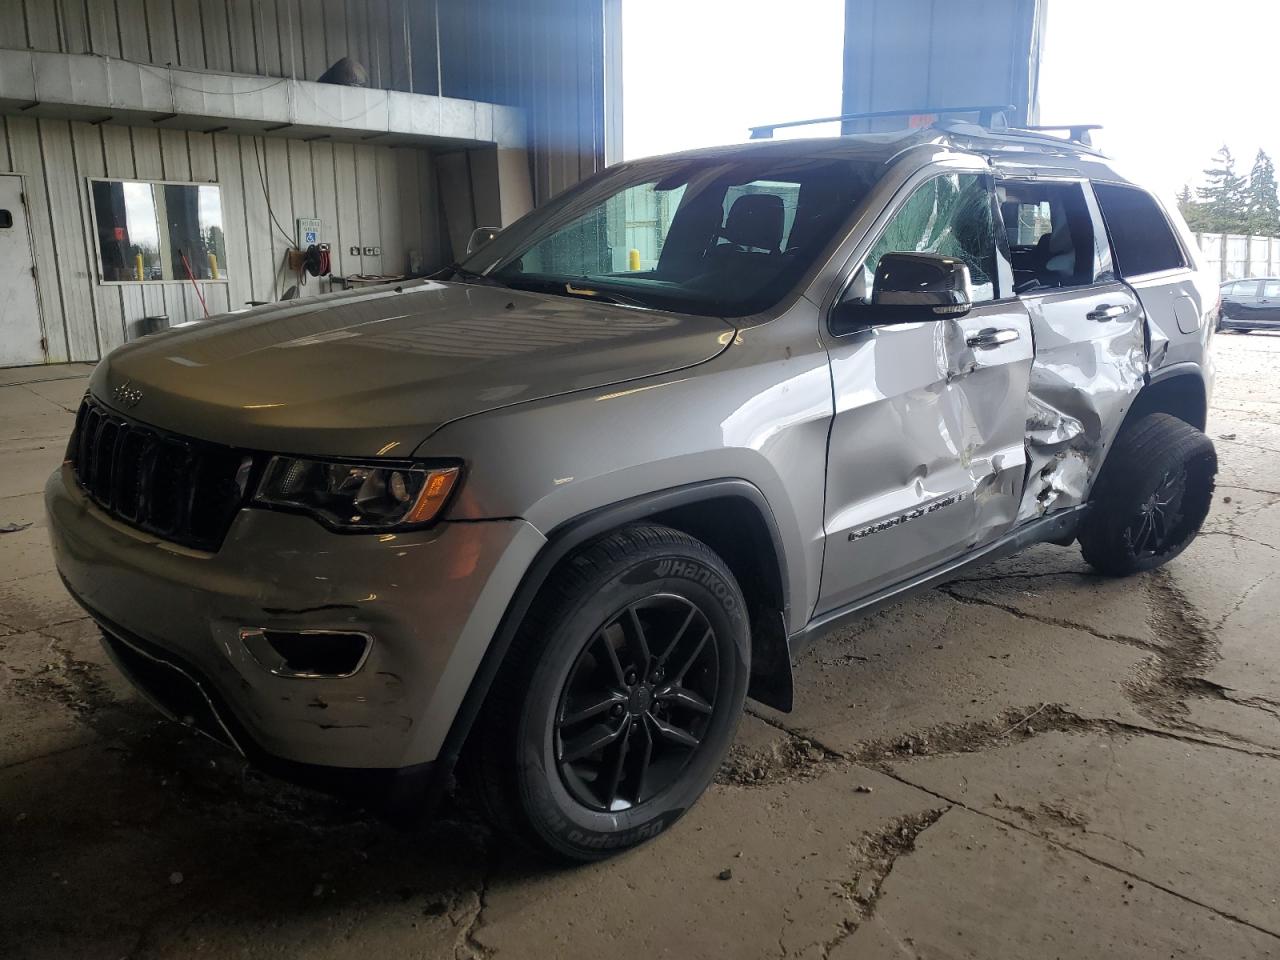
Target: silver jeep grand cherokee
<point x="548" y="518"/>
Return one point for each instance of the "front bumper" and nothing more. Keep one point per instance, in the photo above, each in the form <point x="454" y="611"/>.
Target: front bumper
<point x="431" y="599"/>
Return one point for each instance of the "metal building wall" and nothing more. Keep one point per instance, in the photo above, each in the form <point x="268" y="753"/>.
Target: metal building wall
<point x="278" y="38"/>
<point x="546" y="56"/>
<point x="366" y="195"/>
<point x="915" y="54"/>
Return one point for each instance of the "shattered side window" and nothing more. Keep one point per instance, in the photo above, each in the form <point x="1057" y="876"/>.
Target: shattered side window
<point x="951" y="215"/>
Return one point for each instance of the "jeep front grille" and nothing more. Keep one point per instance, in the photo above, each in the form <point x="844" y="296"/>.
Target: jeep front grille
<point x="183" y="490"/>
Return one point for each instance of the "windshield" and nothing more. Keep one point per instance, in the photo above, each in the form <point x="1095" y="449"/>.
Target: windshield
<point x="715" y="237"/>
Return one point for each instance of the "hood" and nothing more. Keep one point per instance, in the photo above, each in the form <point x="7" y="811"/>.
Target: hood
<point x="363" y="374"/>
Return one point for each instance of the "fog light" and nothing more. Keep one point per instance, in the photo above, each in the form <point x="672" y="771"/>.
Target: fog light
<point x="314" y="654"/>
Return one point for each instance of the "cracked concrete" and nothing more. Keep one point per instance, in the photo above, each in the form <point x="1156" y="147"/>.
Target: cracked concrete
<point x="975" y="887"/>
<point x="1157" y="808"/>
<point x="1030" y="761"/>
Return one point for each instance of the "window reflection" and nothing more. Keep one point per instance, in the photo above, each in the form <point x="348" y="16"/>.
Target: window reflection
<point x="159" y="231"/>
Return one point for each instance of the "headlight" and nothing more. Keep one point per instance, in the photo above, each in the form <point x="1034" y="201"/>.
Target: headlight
<point x="358" y="496"/>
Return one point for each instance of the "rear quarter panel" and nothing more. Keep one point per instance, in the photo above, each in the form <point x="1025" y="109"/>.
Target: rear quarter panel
<point x="1179" y="305"/>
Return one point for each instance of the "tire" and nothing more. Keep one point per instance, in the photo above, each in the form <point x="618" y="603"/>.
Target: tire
<point x="576" y="674"/>
<point x="1152" y="497"/>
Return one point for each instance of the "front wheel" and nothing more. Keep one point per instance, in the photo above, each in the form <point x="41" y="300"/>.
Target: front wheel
<point x="1152" y="498"/>
<point x="618" y="699"/>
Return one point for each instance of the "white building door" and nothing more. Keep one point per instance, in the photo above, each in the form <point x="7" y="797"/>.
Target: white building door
<point x="21" y="337"/>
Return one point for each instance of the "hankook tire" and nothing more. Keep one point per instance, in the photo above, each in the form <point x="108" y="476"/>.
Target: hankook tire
<point x="1152" y="497"/>
<point x="618" y="699"/>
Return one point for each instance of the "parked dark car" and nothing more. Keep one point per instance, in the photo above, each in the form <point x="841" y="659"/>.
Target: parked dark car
<point x="1252" y="304"/>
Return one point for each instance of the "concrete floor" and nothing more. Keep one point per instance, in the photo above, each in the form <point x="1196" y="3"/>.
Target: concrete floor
<point x="1030" y="762"/>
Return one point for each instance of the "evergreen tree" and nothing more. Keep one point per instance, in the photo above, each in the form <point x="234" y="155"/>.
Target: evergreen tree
<point x="1223" y="195"/>
<point x="1191" y="211"/>
<point x="1263" y="200"/>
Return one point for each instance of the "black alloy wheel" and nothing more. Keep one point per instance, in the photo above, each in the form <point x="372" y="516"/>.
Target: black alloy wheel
<point x="618" y="699"/>
<point x="1161" y="520"/>
<point x="637" y="703"/>
<point x="1154" y="492"/>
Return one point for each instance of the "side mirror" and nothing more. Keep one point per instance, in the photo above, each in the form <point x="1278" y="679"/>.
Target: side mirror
<point x="480" y="236"/>
<point x="911" y="288"/>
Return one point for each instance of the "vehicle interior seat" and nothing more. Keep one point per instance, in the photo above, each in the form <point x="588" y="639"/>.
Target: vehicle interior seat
<point x="1055" y="257"/>
<point x="755" y="223"/>
<point x="746" y="251"/>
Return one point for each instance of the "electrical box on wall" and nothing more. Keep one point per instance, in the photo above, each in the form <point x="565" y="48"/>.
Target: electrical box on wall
<point x="308" y="232"/>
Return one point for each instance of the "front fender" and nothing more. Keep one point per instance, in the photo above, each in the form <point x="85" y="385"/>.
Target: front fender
<point x="759" y="413"/>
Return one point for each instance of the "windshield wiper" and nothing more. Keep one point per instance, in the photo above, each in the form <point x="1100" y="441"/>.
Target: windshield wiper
<point x="566" y="288"/>
<point x="456" y="271"/>
<point x="610" y="296"/>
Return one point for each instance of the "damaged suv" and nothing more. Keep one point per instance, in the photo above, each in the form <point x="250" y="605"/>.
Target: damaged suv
<point x="546" y="520"/>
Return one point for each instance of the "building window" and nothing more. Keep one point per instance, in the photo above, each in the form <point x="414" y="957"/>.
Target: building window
<point x="151" y="231"/>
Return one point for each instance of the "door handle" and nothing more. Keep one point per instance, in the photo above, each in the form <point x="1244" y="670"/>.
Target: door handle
<point x="991" y="337"/>
<point x="1107" y="312"/>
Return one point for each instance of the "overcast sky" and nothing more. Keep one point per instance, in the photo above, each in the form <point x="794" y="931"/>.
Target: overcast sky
<point x="700" y="72"/>
<point x="1171" y="80"/>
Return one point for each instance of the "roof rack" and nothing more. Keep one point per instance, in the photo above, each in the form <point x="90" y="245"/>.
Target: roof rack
<point x="1076" y="132"/>
<point x="991" y="117"/>
<point x="994" y="119"/>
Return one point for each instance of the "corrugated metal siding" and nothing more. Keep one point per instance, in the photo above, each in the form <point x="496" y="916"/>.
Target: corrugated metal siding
<point x="910" y="54"/>
<point x="357" y="191"/>
<point x="279" y="38"/>
<point x="545" y="56"/>
<point x="508" y="49"/>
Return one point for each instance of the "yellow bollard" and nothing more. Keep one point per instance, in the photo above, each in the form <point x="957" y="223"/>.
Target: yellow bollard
<point x="633" y="260"/>
<point x="213" y="266"/>
<point x="137" y="267"/>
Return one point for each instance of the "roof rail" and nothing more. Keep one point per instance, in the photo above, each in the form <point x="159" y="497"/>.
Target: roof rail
<point x="1076" y="132"/>
<point x="992" y="117"/>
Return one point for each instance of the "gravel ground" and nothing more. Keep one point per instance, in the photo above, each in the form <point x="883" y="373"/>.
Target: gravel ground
<point x="1028" y="762"/>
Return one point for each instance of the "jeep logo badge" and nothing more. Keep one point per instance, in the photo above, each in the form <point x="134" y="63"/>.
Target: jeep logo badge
<point x="127" y="395"/>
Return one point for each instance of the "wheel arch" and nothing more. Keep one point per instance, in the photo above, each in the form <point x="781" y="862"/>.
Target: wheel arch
<point x="731" y="516"/>
<point x="1178" y="390"/>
